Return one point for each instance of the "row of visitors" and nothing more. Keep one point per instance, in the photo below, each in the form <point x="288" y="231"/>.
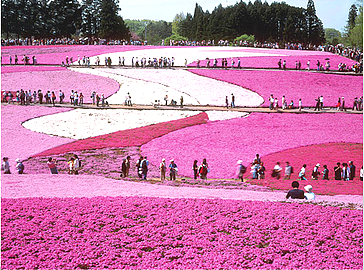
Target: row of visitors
<point x="344" y="171"/>
<point x="25" y="59"/>
<point x="68" y="41"/>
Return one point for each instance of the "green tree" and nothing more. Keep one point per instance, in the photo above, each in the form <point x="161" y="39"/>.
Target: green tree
<point x="353" y="13"/>
<point x="315" y="30"/>
<point x="176" y="23"/>
<point x="332" y="36"/>
<point x="356" y="34"/>
<point x="112" y="26"/>
<point x="156" y="31"/>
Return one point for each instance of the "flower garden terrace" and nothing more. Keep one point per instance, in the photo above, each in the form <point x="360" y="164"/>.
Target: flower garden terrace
<point x="132" y="223"/>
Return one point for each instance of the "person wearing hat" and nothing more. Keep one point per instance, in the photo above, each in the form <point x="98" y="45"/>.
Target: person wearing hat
<point x="19" y="166"/>
<point x="172" y="170"/>
<point x="162" y="168"/>
<point x="309" y="195"/>
<point x="315" y="172"/>
<point x="295" y="193"/>
<point x="240" y="170"/>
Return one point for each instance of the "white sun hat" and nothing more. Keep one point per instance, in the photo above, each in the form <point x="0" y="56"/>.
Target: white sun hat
<point x="308" y="188"/>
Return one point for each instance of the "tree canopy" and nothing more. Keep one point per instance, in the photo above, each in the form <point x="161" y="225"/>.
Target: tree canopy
<point x="278" y="22"/>
<point x="62" y="18"/>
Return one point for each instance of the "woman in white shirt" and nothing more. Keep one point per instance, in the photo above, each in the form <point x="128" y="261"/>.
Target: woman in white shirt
<point x="309" y="195"/>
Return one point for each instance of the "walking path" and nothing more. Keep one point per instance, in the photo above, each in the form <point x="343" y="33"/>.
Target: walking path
<point x="202" y="108"/>
<point x="70" y="186"/>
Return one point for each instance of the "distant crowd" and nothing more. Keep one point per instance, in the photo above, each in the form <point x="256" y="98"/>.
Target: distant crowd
<point x="68" y="41"/>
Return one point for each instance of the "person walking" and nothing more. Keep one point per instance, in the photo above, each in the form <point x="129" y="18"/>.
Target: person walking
<point x="77" y="164"/>
<point x="325" y="173"/>
<point x="337" y="171"/>
<point x="288" y="171"/>
<point x="302" y="173"/>
<point x="144" y="167"/>
<point x="138" y="167"/>
<point x="232" y="100"/>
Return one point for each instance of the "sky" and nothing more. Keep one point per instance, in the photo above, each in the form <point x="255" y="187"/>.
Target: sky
<point x="333" y="13"/>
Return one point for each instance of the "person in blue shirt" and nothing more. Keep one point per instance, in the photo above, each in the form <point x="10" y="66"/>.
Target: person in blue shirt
<point x="172" y="170"/>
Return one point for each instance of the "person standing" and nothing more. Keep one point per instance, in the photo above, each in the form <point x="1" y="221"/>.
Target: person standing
<point x="240" y="170"/>
<point x="77" y="164"/>
<point x="144" y="167"/>
<point x="93" y="97"/>
<point x="52" y="165"/>
<point x="162" y="169"/>
<point x="71" y="164"/>
<point x="277" y="171"/>
<point x="337" y="171"/>
<point x="232" y="100"/>
<point x="254" y="170"/>
<point x="19" y="166"/>
<point x="300" y="104"/>
<point x="271" y="102"/>
<point x="345" y="172"/>
<point x="261" y="171"/>
<point x="181" y="100"/>
<point x="284" y="103"/>
<point x="123" y="168"/>
<point x="317" y="107"/>
<point x="5" y="166"/>
<point x="53" y="95"/>
<point x="203" y="170"/>
<point x="138" y="167"/>
<point x="352" y="170"/>
<point x="97" y="100"/>
<point x="40" y="96"/>
<point x="361" y="173"/>
<point x="195" y="169"/>
<point x="325" y="173"/>
<point x="288" y="171"/>
<point x="321" y="99"/>
<point x="227" y="102"/>
<point x="172" y="170"/>
<point x="61" y="96"/>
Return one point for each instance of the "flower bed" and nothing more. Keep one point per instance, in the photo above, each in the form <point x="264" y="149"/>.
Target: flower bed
<point x="177" y="233"/>
<point x="68" y="124"/>
<point x="64" y="80"/>
<point x="294" y="85"/>
<point x="213" y="92"/>
<point x="272" y="61"/>
<point x="329" y="154"/>
<point x="127" y="138"/>
<point x="223" y="143"/>
<point x="18" y="142"/>
<point x="55" y="54"/>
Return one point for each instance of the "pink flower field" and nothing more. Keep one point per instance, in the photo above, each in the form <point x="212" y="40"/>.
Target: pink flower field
<point x="153" y="233"/>
<point x="18" y="142"/>
<point x="329" y="154"/>
<point x="55" y="54"/>
<point x="272" y="61"/>
<point x="224" y="143"/>
<point x="293" y="84"/>
<point x="12" y="69"/>
<point x="127" y="138"/>
<point x="56" y="80"/>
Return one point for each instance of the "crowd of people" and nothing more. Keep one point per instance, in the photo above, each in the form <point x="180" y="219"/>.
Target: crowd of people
<point x="342" y="171"/>
<point x="68" y="41"/>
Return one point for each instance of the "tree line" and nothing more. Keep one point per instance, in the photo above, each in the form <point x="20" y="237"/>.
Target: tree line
<point x="62" y="18"/>
<point x="277" y="22"/>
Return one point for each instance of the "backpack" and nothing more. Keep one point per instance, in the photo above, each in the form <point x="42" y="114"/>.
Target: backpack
<point x="21" y="167"/>
<point x="203" y="170"/>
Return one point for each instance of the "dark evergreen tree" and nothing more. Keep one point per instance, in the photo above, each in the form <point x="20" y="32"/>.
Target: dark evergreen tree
<point x="112" y="26"/>
<point x="353" y="13"/>
<point x="315" y="29"/>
